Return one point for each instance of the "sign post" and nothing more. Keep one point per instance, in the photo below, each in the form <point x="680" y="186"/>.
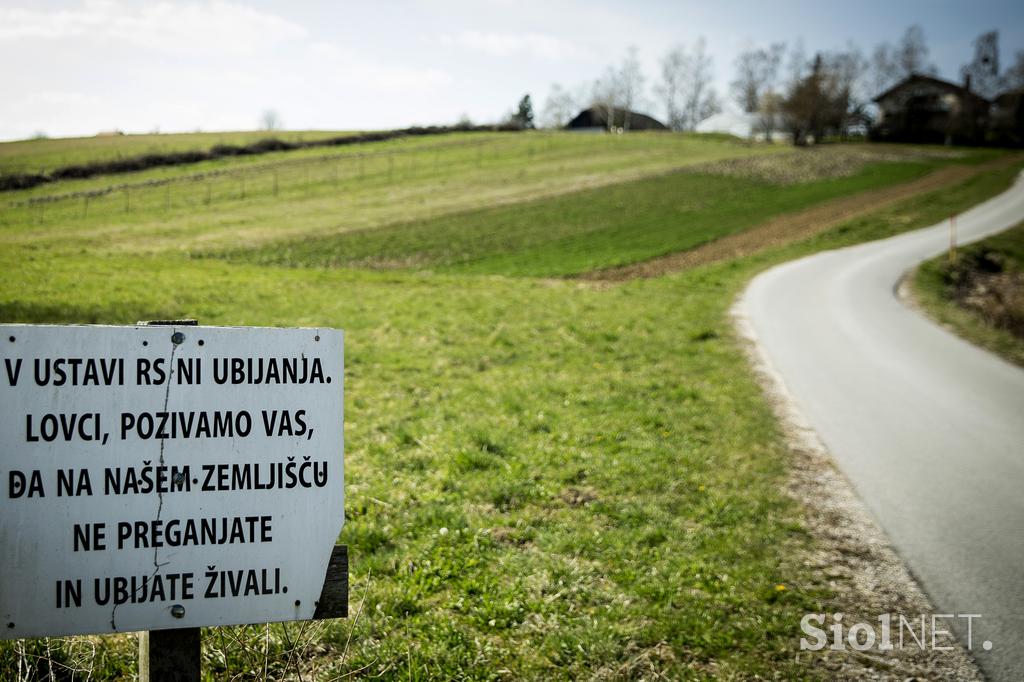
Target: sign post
<point x="172" y="655"/>
<point x="167" y="478"/>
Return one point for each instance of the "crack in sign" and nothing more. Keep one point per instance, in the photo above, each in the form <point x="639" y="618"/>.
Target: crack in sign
<point x="160" y="496"/>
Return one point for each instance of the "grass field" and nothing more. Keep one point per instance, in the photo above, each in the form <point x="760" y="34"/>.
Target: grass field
<point x="579" y="232"/>
<point x="545" y="479"/>
<point x="981" y="296"/>
<point x="41" y="155"/>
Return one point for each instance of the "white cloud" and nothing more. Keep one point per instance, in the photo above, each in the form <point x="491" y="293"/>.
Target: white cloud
<point x="176" y="27"/>
<point x="346" y="67"/>
<point x="540" y="45"/>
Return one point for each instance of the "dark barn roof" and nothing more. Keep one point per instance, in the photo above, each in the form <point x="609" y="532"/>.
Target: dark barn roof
<point x="917" y="78"/>
<point x="597" y="117"/>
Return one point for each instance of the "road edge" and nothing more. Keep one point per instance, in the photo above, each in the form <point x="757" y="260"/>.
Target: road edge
<point x="851" y="554"/>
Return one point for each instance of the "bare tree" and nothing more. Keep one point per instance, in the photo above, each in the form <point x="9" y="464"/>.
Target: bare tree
<point x="769" y="113"/>
<point x="983" y="70"/>
<point x="746" y="87"/>
<point x="605" y="95"/>
<point x="707" y="107"/>
<point x="630" y="82"/>
<point x="912" y="52"/>
<point x="797" y="64"/>
<point x="559" y="107"/>
<point x="674" y="67"/>
<point x="270" y="120"/>
<point x="884" y="69"/>
<point x="619" y="88"/>
<point x="757" y="71"/>
<point x="685" y="87"/>
<point x="850" y="89"/>
<point x="891" y="63"/>
<point x="1013" y="79"/>
<point x="700" y="99"/>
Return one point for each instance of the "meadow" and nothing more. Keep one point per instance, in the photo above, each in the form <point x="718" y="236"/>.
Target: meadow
<point x="979" y="294"/>
<point x="45" y="154"/>
<point x="546" y="478"/>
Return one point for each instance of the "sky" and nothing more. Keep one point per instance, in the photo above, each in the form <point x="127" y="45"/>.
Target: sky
<point x="77" y="67"/>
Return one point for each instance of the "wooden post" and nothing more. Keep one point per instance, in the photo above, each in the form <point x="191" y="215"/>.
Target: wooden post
<point x="333" y="601"/>
<point x="171" y="655"/>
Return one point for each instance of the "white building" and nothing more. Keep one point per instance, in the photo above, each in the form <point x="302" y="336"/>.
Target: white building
<point x="742" y="125"/>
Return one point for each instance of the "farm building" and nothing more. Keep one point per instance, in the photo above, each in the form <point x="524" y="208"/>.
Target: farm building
<point x="927" y="109"/>
<point x="1006" y="118"/>
<point x="744" y="125"/>
<point x="596" y="118"/>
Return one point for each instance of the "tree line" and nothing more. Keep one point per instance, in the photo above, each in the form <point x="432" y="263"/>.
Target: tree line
<point x="779" y="84"/>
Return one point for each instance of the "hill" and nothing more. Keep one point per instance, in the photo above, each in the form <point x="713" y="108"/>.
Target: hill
<point x="545" y="478"/>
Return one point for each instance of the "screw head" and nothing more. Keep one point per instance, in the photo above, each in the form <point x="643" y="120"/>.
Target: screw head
<point x="178" y="611"/>
<point x="177" y="338"/>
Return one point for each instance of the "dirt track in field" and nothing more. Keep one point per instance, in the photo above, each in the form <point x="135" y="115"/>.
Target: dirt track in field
<point x="792" y="227"/>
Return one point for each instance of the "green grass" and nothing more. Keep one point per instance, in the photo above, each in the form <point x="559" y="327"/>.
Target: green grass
<point x="233" y="203"/>
<point x="42" y="155"/>
<point x="576" y="233"/>
<point x="544" y="480"/>
<point x="935" y="283"/>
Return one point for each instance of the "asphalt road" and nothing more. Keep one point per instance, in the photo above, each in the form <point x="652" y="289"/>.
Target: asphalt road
<point x="927" y="427"/>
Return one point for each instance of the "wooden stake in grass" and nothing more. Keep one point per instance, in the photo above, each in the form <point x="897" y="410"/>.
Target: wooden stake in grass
<point x="952" y="239"/>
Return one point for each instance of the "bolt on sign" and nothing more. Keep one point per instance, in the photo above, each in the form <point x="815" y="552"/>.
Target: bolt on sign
<point x="166" y="477"/>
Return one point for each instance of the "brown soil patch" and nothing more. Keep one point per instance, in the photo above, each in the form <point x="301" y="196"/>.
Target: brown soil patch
<point x="814" y="163"/>
<point x="792" y="227"/>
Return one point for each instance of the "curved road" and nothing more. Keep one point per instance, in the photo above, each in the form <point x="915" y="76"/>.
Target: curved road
<point x="927" y="427"/>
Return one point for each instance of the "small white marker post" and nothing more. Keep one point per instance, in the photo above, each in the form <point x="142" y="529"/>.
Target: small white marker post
<point x="952" y="240"/>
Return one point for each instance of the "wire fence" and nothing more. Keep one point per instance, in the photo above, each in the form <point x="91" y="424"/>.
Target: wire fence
<point x="287" y="178"/>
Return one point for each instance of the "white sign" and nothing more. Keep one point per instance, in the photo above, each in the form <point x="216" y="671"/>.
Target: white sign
<point x="166" y="477"/>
